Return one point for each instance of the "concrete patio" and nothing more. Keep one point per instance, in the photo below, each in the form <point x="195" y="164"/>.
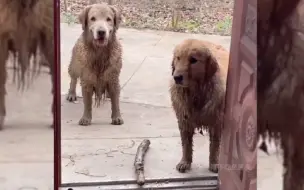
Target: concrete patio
<point x="102" y="152"/>
<point x="26" y="142"/>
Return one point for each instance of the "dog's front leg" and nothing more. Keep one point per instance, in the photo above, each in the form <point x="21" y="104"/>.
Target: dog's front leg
<point x="114" y="93"/>
<point x="3" y="74"/>
<point x="51" y="65"/>
<point x="73" y="83"/>
<point x="87" y="93"/>
<point x="214" y="146"/>
<point x="49" y="60"/>
<point x="2" y="92"/>
<point x="186" y="131"/>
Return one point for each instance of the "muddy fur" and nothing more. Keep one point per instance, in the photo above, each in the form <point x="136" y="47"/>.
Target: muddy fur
<point x="281" y="83"/>
<point x="198" y="99"/>
<point x="26" y="31"/>
<point x="97" y="62"/>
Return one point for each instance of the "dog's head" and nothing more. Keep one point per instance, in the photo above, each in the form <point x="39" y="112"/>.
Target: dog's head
<point x="192" y="62"/>
<point x="100" y="22"/>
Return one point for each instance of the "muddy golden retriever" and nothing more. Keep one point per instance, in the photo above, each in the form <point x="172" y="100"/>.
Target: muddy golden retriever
<point x="97" y="60"/>
<point x="26" y="32"/>
<point x="199" y="71"/>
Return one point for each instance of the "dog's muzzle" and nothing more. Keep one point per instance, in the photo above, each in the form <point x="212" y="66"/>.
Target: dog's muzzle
<point x="178" y="79"/>
<point x="101" y="34"/>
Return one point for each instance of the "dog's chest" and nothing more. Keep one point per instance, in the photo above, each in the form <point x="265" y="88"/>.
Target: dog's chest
<point x="99" y="66"/>
<point x="196" y="110"/>
<point x="95" y="73"/>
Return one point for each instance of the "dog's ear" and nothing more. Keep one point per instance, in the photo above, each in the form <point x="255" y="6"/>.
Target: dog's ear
<point x="117" y="16"/>
<point x="211" y="67"/>
<point x="83" y="17"/>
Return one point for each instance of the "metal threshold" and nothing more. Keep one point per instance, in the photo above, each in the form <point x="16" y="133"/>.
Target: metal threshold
<point x="197" y="183"/>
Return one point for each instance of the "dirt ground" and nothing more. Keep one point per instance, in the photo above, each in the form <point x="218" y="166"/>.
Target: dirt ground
<point x="196" y="16"/>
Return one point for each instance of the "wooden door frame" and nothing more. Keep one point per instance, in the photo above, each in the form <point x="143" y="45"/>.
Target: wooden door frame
<point x="57" y="98"/>
<point x="233" y="171"/>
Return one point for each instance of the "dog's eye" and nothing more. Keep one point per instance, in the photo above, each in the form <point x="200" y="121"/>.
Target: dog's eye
<point x="178" y="58"/>
<point x="93" y="19"/>
<point x="109" y="19"/>
<point x="192" y="60"/>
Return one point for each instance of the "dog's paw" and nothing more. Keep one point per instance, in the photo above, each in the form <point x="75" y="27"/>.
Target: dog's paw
<point x="213" y="168"/>
<point x="117" y="121"/>
<point x="183" y="166"/>
<point x="84" y="121"/>
<point x="71" y="97"/>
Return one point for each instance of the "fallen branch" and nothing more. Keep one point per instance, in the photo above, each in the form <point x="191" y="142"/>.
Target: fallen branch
<point x="139" y="161"/>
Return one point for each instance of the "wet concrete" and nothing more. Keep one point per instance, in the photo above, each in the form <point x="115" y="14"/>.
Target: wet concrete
<point x="147" y="113"/>
<point x="103" y="152"/>
<point x="26" y="142"/>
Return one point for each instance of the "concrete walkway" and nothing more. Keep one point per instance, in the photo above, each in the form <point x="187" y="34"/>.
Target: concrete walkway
<point x="270" y="169"/>
<point x="102" y="152"/>
<point x="26" y="143"/>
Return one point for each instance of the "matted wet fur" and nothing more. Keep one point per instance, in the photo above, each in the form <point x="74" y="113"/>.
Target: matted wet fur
<point x="97" y="60"/>
<point x="280" y="86"/>
<point x="199" y="72"/>
<point x="26" y="32"/>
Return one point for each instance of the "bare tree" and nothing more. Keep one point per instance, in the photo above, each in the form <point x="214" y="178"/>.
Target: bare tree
<point x="65" y="6"/>
<point x="176" y="12"/>
<point x="176" y="16"/>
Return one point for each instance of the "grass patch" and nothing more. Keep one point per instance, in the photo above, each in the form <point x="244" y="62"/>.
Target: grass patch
<point x="68" y="18"/>
<point x="224" y="25"/>
<point x="189" y="26"/>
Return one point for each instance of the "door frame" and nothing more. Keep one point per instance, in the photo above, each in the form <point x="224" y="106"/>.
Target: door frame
<point x="57" y="98"/>
<point x="238" y="158"/>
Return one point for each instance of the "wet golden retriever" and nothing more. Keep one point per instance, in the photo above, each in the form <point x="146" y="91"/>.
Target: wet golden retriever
<point x="199" y="71"/>
<point x="27" y="31"/>
<point x="97" y="60"/>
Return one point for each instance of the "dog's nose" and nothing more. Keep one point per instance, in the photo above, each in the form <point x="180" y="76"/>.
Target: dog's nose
<point x="101" y="33"/>
<point x="178" y="79"/>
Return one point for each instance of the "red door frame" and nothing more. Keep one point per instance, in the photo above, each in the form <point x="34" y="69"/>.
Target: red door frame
<point x="238" y="153"/>
<point x="57" y="98"/>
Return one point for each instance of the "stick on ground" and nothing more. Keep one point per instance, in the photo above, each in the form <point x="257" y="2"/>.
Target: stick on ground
<point x="139" y="161"/>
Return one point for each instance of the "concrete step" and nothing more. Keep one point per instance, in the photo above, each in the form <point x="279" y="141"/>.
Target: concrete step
<point x="193" y="183"/>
